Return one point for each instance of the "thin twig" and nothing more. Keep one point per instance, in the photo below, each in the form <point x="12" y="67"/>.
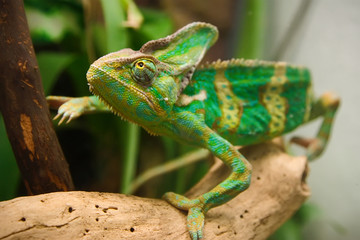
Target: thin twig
<point x="192" y="157"/>
<point x="294" y="27"/>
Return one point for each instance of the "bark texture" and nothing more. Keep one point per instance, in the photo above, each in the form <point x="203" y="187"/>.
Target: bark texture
<point x="24" y="109"/>
<point x="277" y="190"/>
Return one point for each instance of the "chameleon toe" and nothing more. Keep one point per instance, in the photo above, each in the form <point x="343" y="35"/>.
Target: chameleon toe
<point x="195" y="222"/>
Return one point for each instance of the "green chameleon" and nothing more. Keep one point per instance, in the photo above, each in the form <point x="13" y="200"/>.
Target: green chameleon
<point x="218" y="105"/>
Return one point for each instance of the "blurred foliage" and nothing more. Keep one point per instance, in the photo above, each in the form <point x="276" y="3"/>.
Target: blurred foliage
<point x="252" y="30"/>
<point x="292" y="229"/>
<point x="9" y="173"/>
<point x="105" y="153"/>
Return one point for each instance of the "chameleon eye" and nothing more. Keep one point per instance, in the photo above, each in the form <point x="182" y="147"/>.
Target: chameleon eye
<point x="140" y="64"/>
<point x="144" y="71"/>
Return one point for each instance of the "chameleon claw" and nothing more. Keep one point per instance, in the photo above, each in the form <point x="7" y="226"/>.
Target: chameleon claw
<point x="57" y="116"/>
<point x="72" y="116"/>
<point x="69" y="111"/>
<point x="62" y="119"/>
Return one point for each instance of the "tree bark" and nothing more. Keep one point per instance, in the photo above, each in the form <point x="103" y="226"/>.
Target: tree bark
<point x="277" y="190"/>
<point x="24" y="108"/>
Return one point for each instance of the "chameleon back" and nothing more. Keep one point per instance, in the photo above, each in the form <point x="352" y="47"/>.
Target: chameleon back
<point x="249" y="101"/>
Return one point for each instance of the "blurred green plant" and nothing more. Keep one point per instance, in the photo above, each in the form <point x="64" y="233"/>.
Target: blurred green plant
<point x="292" y="229"/>
<point x="9" y="173"/>
<point x="251" y="30"/>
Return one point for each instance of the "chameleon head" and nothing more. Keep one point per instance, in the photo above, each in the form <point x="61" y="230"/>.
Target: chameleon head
<point x="133" y="85"/>
<point x="142" y="86"/>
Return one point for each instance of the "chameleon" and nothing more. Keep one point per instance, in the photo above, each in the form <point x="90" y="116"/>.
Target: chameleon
<point x="163" y="88"/>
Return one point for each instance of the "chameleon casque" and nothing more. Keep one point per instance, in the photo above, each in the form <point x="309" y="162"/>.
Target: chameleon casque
<point x="218" y="105"/>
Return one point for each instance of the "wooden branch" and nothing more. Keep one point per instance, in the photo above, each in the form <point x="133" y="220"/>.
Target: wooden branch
<point x="277" y="190"/>
<point x="24" y="109"/>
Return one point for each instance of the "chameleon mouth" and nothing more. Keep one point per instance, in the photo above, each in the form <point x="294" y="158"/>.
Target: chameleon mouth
<point x="112" y="109"/>
<point x="133" y="89"/>
<point x="140" y="93"/>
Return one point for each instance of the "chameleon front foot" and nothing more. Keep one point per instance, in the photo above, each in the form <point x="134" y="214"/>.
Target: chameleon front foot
<point x="70" y="108"/>
<point x="196" y="212"/>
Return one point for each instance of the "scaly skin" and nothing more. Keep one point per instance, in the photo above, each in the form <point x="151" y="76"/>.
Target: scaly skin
<point x="240" y="102"/>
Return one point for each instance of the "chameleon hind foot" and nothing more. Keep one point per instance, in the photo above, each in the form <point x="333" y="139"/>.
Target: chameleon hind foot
<point x="196" y="212"/>
<point x="314" y="146"/>
<point x="326" y="106"/>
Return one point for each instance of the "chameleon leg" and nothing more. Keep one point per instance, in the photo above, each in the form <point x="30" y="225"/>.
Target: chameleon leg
<point x="238" y="181"/>
<point x="326" y="106"/>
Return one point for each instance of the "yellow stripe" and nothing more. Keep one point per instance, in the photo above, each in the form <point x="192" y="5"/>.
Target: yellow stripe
<point x="274" y="103"/>
<point x="230" y="104"/>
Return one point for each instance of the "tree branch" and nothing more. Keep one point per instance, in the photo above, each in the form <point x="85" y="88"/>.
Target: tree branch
<point x="24" y="109"/>
<point x="277" y="190"/>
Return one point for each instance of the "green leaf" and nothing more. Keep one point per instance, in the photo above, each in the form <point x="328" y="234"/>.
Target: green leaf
<point x="116" y="33"/>
<point x="100" y="42"/>
<point x="129" y="167"/>
<point x="9" y="173"/>
<point x="51" y="65"/>
<point x="288" y="231"/>
<point x="134" y="16"/>
<point x="308" y="212"/>
<point x="77" y="71"/>
<point x="252" y="30"/>
<point x="156" y="25"/>
<point x="51" y="26"/>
